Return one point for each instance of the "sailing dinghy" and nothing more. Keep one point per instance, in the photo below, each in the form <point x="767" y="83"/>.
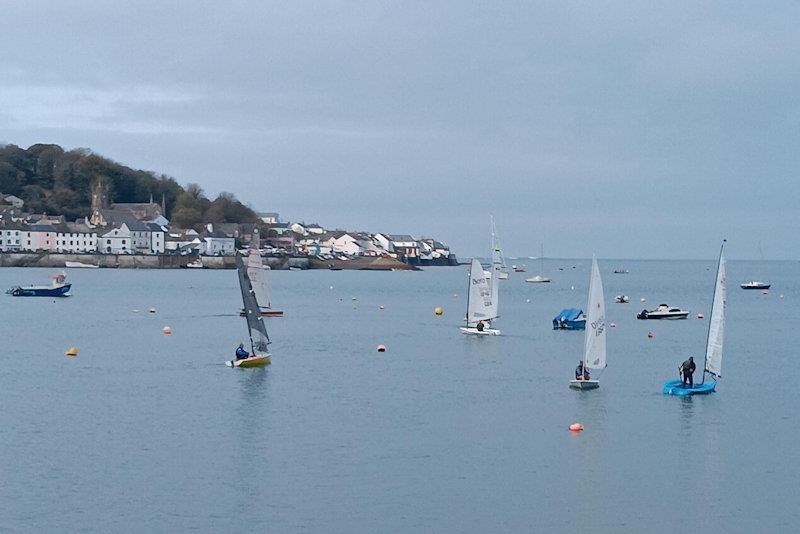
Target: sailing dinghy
<point x="498" y="261"/>
<point x="259" y="340"/>
<point x="712" y="363"/>
<point x="258" y="278"/>
<point x="482" y="297"/>
<point x="594" y="345"/>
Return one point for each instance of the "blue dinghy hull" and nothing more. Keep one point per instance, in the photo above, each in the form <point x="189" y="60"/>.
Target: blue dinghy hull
<point x="41" y="291"/>
<point x="676" y="387"/>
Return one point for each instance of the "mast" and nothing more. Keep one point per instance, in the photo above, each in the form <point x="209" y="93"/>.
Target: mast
<point x="469" y="288"/>
<point x="711" y="318"/>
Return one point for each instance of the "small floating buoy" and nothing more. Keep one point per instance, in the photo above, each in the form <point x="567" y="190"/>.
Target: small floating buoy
<point x="528" y="300"/>
<point x="381" y="348"/>
<point x="700" y="316"/>
<point x="353" y="298"/>
<point x="572" y="287"/>
<point x="135" y="310"/>
<point x="167" y="330"/>
<point x="576" y="427"/>
<point x="641" y="299"/>
<point x="380" y="307"/>
<point x="612" y="325"/>
<point x="331" y="287"/>
<point x="72" y="351"/>
<point x="152" y="310"/>
<point x="438" y="311"/>
<point x="650" y="334"/>
<point x="455" y="295"/>
<point x="780" y="296"/>
<point x="765" y="292"/>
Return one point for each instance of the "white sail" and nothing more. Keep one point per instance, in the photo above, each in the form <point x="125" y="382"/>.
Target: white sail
<point x="258" y="277"/>
<point x="480" y="306"/>
<point x="716" y="326"/>
<point x="498" y="261"/>
<point x="594" y="349"/>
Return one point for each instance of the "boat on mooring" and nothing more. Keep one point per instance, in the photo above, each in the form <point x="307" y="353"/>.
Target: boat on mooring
<point x="712" y="364"/>
<point x="498" y="261"/>
<point x="257" y="331"/>
<point x="594" y="344"/>
<point x="57" y="288"/>
<point x="80" y="265"/>
<point x="754" y="284"/>
<point x="663" y="312"/>
<point x="482" y="302"/>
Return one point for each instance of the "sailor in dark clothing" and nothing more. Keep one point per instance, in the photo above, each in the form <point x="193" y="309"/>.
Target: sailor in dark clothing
<point x="581" y="373"/>
<point x="241" y="354"/>
<point x="479" y="327"/>
<point x="687" y="370"/>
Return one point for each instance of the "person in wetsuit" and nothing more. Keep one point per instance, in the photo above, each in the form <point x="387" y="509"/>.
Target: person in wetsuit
<point x="479" y="327"/>
<point x="687" y="372"/>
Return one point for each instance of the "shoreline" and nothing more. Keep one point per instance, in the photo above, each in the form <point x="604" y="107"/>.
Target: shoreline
<point x="171" y="261"/>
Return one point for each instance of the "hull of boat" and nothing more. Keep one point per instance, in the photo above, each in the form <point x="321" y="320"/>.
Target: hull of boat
<point x="584" y="384"/>
<point x="681" y="315"/>
<point x="79" y="265"/>
<point x="475" y="332"/>
<point x="502" y="275"/>
<point x="676" y="388"/>
<point x="266" y="313"/>
<point x="43" y="291"/>
<point x="538" y="280"/>
<point x="253" y="361"/>
<point x="759" y="286"/>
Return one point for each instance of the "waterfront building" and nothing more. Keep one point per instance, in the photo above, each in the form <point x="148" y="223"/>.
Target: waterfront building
<point x="11" y="236"/>
<point x="75" y="238"/>
<point x="117" y="241"/>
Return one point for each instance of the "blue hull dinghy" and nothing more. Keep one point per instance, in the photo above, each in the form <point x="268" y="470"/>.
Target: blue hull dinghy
<point x="676" y="387"/>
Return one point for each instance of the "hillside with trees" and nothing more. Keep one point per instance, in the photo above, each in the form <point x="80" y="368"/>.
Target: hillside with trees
<point x="58" y="182"/>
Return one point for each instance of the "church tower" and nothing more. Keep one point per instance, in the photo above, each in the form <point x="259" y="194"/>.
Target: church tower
<point x="99" y="200"/>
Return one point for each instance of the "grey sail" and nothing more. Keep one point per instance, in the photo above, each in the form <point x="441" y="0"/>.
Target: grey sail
<point x="255" y="323"/>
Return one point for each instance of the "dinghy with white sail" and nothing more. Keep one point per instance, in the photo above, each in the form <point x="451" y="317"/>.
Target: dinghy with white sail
<point x="594" y="345"/>
<point x="498" y="261"/>
<point x="712" y="364"/>
<point x="482" y="302"/>
<point x="259" y="340"/>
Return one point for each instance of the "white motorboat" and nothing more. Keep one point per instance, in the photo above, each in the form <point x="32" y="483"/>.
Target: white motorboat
<point x="663" y="312"/>
<point x="754" y="284"/>
<point x="79" y="265"/>
<point x="622" y="299"/>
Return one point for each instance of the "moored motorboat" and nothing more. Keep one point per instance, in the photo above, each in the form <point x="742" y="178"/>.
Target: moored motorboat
<point x="622" y="299"/>
<point x="754" y="284"/>
<point x="58" y="288"/>
<point x="570" y="319"/>
<point x="538" y="279"/>
<point x="663" y="312"/>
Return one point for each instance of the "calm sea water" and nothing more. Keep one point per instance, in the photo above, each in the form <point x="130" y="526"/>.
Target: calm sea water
<point x="150" y="433"/>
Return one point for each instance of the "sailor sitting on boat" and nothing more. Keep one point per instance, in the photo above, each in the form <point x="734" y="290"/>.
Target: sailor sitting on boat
<point x="479" y="327"/>
<point x="580" y="372"/>
<point x="241" y="354"/>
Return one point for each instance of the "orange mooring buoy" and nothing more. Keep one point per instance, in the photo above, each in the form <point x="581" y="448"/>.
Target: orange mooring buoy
<point x="72" y="351"/>
<point x="576" y="427"/>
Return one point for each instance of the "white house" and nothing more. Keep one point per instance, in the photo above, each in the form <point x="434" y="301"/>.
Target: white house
<point x="157" y="238"/>
<point x="183" y="241"/>
<point x="405" y="244"/>
<point x="117" y="241"/>
<point x="75" y="238"/>
<point x="384" y="242"/>
<point x="269" y="218"/>
<point x="10" y="237"/>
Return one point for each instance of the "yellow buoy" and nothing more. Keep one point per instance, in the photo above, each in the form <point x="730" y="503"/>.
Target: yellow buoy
<point x="438" y="311"/>
<point x="72" y="351"/>
<point x="167" y="330"/>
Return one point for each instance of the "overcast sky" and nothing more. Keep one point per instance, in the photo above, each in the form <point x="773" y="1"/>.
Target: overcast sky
<point x="631" y="130"/>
